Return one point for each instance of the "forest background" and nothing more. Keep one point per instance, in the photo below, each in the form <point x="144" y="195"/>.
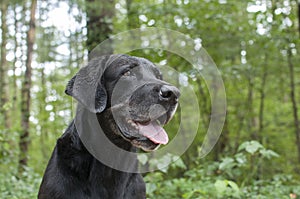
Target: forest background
<point x="254" y="43"/>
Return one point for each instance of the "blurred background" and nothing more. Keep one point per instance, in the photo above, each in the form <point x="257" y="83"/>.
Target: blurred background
<point x="254" y="43"/>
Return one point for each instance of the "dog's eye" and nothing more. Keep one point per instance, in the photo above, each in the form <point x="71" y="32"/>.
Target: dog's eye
<point x="127" y="73"/>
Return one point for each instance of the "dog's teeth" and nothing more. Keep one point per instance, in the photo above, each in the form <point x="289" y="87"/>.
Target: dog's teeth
<point x="158" y="122"/>
<point x="132" y="123"/>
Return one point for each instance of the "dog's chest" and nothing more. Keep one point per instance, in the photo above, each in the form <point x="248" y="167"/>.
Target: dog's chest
<point x="115" y="184"/>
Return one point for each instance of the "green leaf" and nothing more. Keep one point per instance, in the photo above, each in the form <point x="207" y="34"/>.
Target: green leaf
<point x="268" y="153"/>
<point x="250" y="146"/>
<point x="233" y="185"/>
<point x="188" y="194"/>
<point x="226" y="163"/>
<point x="240" y="158"/>
<point x="243" y="146"/>
<point x="143" y="158"/>
<point x="164" y="162"/>
<point x="221" y="185"/>
<point x="151" y="187"/>
<point x="178" y="162"/>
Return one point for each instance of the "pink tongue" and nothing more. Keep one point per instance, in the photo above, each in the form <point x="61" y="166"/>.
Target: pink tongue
<point x="154" y="132"/>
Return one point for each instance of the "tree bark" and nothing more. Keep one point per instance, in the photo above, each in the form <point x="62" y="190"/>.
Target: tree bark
<point x="251" y="123"/>
<point x="100" y="15"/>
<point x="43" y="115"/>
<point x="262" y="99"/>
<point x="3" y="65"/>
<point x="132" y="15"/>
<point x="26" y="86"/>
<point x="299" y="18"/>
<point x="294" y="101"/>
<point x="222" y="143"/>
<point x="204" y="103"/>
<point x="15" y="87"/>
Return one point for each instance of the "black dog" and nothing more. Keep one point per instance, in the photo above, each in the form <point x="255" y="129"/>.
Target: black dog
<point x="131" y="102"/>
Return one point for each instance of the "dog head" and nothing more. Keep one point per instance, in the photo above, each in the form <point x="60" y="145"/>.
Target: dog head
<point x="132" y="92"/>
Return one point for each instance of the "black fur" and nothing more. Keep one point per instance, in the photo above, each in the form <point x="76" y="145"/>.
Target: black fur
<point x="72" y="172"/>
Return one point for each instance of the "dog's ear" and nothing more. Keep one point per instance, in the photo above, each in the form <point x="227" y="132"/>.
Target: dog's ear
<point x="87" y="86"/>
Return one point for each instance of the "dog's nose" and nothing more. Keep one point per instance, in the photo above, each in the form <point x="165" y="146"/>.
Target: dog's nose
<point x="169" y="93"/>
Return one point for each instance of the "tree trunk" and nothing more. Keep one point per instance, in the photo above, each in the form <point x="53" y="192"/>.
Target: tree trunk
<point x="132" y="15"/>
<point x="294" y="101"/>
<point x="133" y="22"/>
<point x="100" y="15"/>
<point x="25" y="102"/>
<point x="15" y="87"/>
<point x="43" y="115"/>
<point x="299" y="18"/>
<point x="222" y="143"/>
<point x="204" y="104"/>
<point x="251" y="122"/>
<point x="262" y="99"/>
<point x="3" y="65"/>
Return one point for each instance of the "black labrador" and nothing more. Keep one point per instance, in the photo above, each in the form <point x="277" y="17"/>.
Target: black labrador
<point x="131" y="102"/>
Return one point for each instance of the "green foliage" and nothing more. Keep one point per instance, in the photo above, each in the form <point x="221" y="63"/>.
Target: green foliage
<point x="224" y="179"/>
<point x="248" y="163"/>
<point x="227" y="188"/>
<point x="250" y="49"/>
<point x="253" y="147"/>
<point x="173" y="162"/>
<point x="23" y="187"/>
<point x="14" y="185"/>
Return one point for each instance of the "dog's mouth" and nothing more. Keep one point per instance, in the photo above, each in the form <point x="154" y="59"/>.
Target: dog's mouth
<point x="141" y="121"/>
<point x="148" y="134"/>
<point x="154" y="132"/>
